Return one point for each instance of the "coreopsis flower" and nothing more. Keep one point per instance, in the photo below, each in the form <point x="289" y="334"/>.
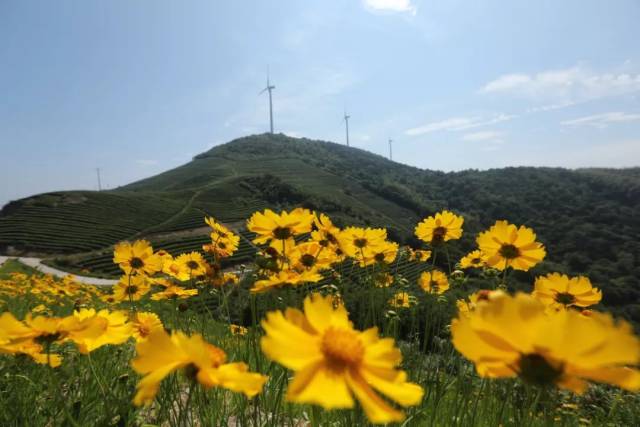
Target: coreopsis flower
<point x="475" y="259"/>
<point x="238" y="330"/>
<point x="361" y="243"/>
<point x="326" y="234"/>
<point x="225" y="279"/>
<point x="131" y="288"/>
<point x="505" y="245"/>
<point x="193" y="263"/>
<point x="176" y="270"/>
<point x="165" y="256"/>
<point x="174" y="292"/>
<point x="385" y="254"/>
<point x="268" y="225"/>
<point x="465" y="306"/>
<point x="509" y="336"/>
<point x="311" y="255"/>
<point x="559" y="291"/>
<point x="434" y="282"/>
<point x="137" y="258"/>
<point x="286" y="278"/>
<point x="160" y="355"/>
<point x="333" y="362"/>
<point x="222" y="247"/>
<point x="144" y="324"/>
<point x="115" y="329"/>
<point x="419" y="255"/>
<point x="439" y="228"/>
<point x="401" y="300"/>
<point x="383" y="280"/>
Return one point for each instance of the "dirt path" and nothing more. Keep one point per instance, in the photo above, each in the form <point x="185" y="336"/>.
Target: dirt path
<point x="37" y="264"/>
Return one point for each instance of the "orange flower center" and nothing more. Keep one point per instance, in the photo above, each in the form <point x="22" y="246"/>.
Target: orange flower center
<point x="342" y="348"/>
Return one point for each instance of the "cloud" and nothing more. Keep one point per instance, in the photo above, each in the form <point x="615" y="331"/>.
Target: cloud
<point x="390" y="6"/>
<point x="147" y="162"/>
<point x="458" y="124"/>
<point x="575" y="84"/>
<point x="483" y="136"/>
<point x="603" y="120"/>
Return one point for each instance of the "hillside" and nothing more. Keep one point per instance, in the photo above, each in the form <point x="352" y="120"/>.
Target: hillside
<point x="589" y="219"/>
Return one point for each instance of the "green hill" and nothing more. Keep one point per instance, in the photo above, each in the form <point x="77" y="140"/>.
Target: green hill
<point x="589" y="219"/>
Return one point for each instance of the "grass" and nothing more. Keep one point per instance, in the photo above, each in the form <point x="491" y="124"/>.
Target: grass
<point x="15" y="266"/>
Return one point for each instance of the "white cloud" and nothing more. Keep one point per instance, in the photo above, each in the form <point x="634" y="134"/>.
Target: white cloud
<point x="458" y="124"/>
<point x="483" y="136"/>
<point x="390" y="6"/>
<point x="604" y="119"/>
<point x="147" y="162"/>
<point x="575" y="84"/>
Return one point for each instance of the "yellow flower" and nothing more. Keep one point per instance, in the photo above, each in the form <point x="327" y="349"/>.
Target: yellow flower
<point x="362" y="243"/>
<point x="326" y="233"/>
<point x="467" y="306"/>
<point x="161" y="354"/>
<point x="383" y="280"/>
<point x="137" y="258"/>
<point x="223" y="241"/>
<point x="238" y="330"/>
<point x="333" y="362"/>
<point x="193" y="264"/>
<point x="269" y="225"/>
<point x="311" y="255"/>
<point x="174" y="292"/>
<point x="114" y="329"/>
<point x="434" y="282"/>
<point x="505" y="245"/>
<point x="475" y="259"/>
<point x="509" y="336"/>
<point x="441" y="227"/>
<point x="559" y="291"/>
<point x="286" y="278"/>
<point x="419" y="255"/>
<point x="144" y="324"/>
<point x="225" y="279"/>
<point x="401" y="300"/>
<point x="131" y="288"/>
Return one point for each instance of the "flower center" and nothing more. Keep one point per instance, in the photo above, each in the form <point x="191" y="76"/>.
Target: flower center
<point x="434" y="286"/>
<point x="438" y="234"/>
<point x="282" y="233"/>
<point x="360" y="243"/>
<point x="222" y="245"/>
<point x="509" y="251"/>
<point x="565" y="298"/>
<point x="192" y="265"/>
<point x="136" y="263"/>
<point x="308" y="260"/>
<point x="342" y="348"/>
<point x="483" y="295"/>
<point x="379" y="257"/>
<point x="131" y="290"/>
<point x="475" y="261"/>
<point x="535" y="369"/>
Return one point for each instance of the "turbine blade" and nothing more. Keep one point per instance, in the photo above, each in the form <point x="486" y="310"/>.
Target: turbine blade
<point x="263" y="90"/>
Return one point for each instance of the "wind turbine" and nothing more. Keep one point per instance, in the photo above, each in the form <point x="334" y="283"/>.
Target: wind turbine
<point x="346" y="122"/>
<point x="269" y="88"/>
<point x="390" y="149"/>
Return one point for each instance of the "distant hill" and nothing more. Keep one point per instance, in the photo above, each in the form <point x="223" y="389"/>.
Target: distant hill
<point x="588" y="218"/>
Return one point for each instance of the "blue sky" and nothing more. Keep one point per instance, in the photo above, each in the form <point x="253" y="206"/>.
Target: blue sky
<point x="139" y="87"/>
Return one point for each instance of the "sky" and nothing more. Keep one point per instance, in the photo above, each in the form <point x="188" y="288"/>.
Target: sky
<point x="139" y="87"/>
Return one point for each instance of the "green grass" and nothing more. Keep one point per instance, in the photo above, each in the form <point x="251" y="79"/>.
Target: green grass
<point x="15" y="266"/>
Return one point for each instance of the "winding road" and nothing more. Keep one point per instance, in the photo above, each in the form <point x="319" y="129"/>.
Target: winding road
<point x="36" y="263"/>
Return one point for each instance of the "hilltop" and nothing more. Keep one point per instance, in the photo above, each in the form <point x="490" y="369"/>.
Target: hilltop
<point x="588" y="218"/>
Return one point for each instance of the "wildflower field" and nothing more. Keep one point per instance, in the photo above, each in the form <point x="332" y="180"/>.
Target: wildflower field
<point x="323" y="327"/>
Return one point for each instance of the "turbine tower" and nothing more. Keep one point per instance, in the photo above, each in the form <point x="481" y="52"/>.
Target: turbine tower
<point x="269" y="88"/>
<point x="390" y="149"/>
<point x="346" y="123"/>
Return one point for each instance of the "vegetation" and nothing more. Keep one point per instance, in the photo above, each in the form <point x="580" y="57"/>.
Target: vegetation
<point x="592" y="216"/>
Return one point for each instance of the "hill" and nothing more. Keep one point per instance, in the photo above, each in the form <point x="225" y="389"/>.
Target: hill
<point x="589" y="219"/>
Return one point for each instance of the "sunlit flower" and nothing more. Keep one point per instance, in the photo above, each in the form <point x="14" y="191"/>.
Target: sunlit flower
<point x="311" y="255"/>
<point x="137" y="258"/>
<point x="326" y="234"/>
<point x="559" y="291"/>
<point x="419" y="255"/>
<point x="131" y="288"/>
<point x="238" y="330"/>
<point x="225" y="279"/>
<point x="434" y="282"/>
<point x="505" y="245"/>
<point x="268" y="225"/>
<point x="193" y="263"/>
<point x="144" y="324"/>
<point x="508" y="336"/>
<point x="401" y="300"/>
<point x="362" y="243"/>
<point x="465" y="306"/>
<point x="441" y="227"/>
<point x="115" y="329"/>
<point x="161" y="354"/>
<point x="475" y="259"/>
<point x="333" y="362"/>
<point x="286" y="278"/>
<point x="174" y="292"/>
